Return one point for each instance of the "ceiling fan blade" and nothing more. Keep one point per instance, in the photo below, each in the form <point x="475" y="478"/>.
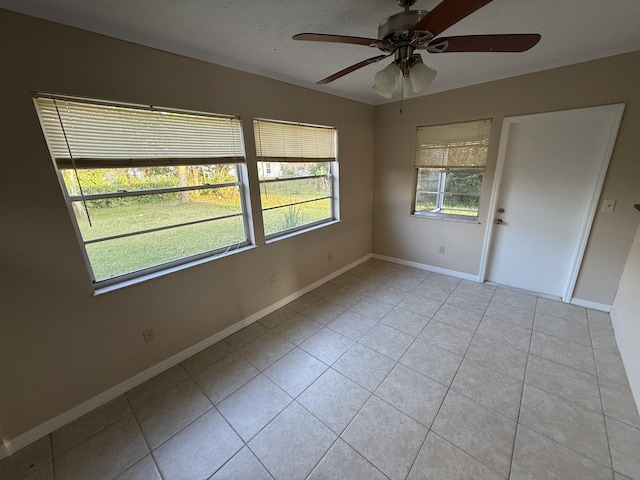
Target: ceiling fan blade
<point x="352" y="68"/>
<point x="323" y="37"/>
<point x="448" y="12"/>
<point x="515" y="42"/>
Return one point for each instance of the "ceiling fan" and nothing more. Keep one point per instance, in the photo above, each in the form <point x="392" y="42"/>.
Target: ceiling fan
<point x="410" y="30"/>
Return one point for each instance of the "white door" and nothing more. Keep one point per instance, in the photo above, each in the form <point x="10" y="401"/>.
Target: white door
<point x="552" y="167"/>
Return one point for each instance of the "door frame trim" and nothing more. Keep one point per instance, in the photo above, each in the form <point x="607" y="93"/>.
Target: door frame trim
<point x="617" y="111"/>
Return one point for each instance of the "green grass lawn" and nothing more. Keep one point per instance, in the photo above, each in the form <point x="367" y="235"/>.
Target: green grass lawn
<point x="114" y="257"/>
<point x="449" y="208"/>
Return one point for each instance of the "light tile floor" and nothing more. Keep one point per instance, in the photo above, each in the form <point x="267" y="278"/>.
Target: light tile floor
<point x="384" y="372"/>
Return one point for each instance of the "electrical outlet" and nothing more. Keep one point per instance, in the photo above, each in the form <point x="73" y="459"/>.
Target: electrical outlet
<point x="147" y="334"/>
<point x="329" y="256"/>
<point x="441" y="249"/>
<point x="608" y="205"/>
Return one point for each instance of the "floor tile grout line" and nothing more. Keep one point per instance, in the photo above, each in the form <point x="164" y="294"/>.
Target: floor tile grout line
<point x="565" y="446"/>
<point x="213" y="407"/>
<point x="150" y="450"/>
<point x="464" y="357"/>
<point x="56" y="458"/>
<point x="246" y="442"/>
<point x="428" y="429"/>
<point x="534" y="330"/>
<point x="293" y="399"/>
<point x="338" y="435"/>
<point x="180" y="430"/>
<point x="440" y="408"/>
<point x="606" y="428"/>
<point x="624" y="422"/>
<point x="526" y="367"/>
<point x="236" y="389"/>
<point x="354" y="416"/>
<point x="552" y="439"/>
<point x="64" y="452"/>
<point x="555" y="394"/>
<point x="245" y="445"/>
<point x="371" y="394"/>
<point x="539" y="355"/>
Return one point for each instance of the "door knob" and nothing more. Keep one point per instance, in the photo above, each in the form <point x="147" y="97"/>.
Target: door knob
<point x="499" y="221"/>
<point x="501" y="210"/>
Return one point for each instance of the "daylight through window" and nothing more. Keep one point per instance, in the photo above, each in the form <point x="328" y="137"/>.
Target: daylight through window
<point x="296" y="167"/>
<point x="148" y="188"/>
<point x="450" y="162"/>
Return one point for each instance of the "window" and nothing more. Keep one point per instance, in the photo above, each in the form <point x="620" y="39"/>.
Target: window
<point x="296" y="167"/>
<point x="450" y="162"/>
<point x="148" y="188"/>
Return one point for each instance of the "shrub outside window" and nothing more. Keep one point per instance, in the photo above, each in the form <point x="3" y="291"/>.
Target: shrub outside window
<point x="296" y="169"/>
<point x="450" y="163"/>
<point x="147" y="188"/>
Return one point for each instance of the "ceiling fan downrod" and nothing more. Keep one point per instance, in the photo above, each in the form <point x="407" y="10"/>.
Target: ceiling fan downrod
<point x="406" y="4"/>
<point x="405" y="59"/>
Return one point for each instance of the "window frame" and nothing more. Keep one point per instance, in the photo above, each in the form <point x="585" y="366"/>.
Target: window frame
<point x="471" y="165"/>
<point x="297" y="156"/>
<point x="440" y="194"/>
<point x="240" y="184"/>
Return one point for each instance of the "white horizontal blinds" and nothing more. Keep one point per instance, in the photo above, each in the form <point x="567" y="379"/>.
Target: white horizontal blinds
<point x="294" y="142"/>
<point x="458" y="145"/>
<point x="102" y="136"/>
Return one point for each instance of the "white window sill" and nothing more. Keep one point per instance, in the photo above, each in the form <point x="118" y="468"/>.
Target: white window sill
<point x="99" y="290"/>
<point x="449" y="218"/>
<point x="301" y="231"/>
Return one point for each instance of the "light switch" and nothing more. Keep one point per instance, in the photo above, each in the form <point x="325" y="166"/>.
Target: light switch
<point x="608" y="205"/>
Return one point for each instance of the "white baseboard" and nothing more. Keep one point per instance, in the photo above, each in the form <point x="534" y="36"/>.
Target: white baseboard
<point x="592" y="305"/>
<point x="430" y="268"/>
<point x="7" y="447"/>
<point x="476" y="278"/>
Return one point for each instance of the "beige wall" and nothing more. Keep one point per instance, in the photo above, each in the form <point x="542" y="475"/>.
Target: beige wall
<point x="59" y="345"/>
<point x="607" y="81"/>
<point x="625" y="316"/>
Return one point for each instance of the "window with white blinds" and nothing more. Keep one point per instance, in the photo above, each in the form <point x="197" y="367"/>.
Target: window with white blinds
<point x="148" y="188"/>
<point x="450" y="163"/>
<point x="459" y="145"/>
<point x="111" y="135"/>
<point x="297" y="166"/>
<point x="294" y="142"/>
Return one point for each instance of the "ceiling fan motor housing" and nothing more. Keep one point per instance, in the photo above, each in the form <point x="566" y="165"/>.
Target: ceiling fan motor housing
<point x="397" y="36"/>
<point x="398" y="27"/>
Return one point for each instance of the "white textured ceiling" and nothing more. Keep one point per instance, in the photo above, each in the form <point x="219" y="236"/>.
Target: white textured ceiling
<point x="255" y="35"/>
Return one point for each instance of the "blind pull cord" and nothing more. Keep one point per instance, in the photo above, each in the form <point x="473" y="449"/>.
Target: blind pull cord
<point x="261" y="157"/>
<point x="73" y="164"/>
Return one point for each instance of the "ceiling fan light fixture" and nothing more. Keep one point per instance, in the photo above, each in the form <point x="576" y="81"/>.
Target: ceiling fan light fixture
<point x="381" y="93"/>
<point x="421" y="77"/>
<point x="407" y="88"/>
<point x="386" y="79"/>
